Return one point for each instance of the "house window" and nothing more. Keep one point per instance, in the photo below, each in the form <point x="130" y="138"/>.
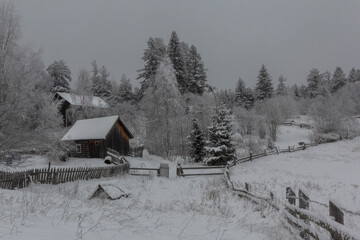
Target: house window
<point x="97" y="143"/>
<point x="78" y="148"/>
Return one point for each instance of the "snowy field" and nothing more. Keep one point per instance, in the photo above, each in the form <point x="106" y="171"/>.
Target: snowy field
<point x="292" y="135"/>
<point x="326" y="172"/>
<point x="159" y="208"/>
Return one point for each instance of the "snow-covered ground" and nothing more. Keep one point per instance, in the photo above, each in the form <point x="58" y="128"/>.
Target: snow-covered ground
<point x="159" y="208"/>
<point x="328" y="171"/>
<point x="292" y="135"/>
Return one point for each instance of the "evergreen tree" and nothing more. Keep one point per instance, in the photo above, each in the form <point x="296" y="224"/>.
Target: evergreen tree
<point x="196" y="72"/>
<point x="338" y="80"/>
<point x="296" y="90"/>
<point x="61" y="76"/>
<point x="219" y="149"/>
<point x="264" y="87"/>
<point x="243" y="96"/>
<point x="249" y="98"/>
<point x="352" y="75"/>
<point x="152" y="56"/>
<point x="175" y="54"/>
<point x="281" y="90"/>
<point x="95" y="78"/>
<point x="125" y="90"/>
<point x="313" y="80"/>
<point x="197" y="142"/>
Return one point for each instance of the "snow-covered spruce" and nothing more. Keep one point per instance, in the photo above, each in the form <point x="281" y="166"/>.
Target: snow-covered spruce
<point x="197" y="142"/>
<point x="219" y="149"/>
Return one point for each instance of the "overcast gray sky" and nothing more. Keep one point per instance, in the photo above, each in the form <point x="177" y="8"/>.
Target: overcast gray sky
<point x="233" y="37"/>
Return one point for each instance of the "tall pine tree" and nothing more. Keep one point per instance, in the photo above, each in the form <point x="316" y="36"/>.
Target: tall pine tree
<point x="154" y="53"/>
<point x="219" y="149"/>
<point x="313" y="80"/>
<point x="175" y="54"/>
<point x="196" y="142"/>
<point x="61" y="76"/>
<point x="281" y="90"/>
<point x="264" y="87"/>
<point x="125" y="90"/>
<point x="196" y="72"/>
<point x="338" y="80"/>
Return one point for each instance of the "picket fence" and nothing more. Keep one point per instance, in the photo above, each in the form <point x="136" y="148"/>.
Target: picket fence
<point x="51" y="175"/>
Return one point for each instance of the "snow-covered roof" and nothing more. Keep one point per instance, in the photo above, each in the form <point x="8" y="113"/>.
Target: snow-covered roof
<point x="82" y="100"/>
<point x="95" y="128"/>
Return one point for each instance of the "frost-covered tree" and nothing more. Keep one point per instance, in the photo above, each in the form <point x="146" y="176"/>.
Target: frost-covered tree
<point x="219" y="149"/>
<point x="28" y="116"/>
<point x="175" y="54"/>
<point x="152" y="56"/>
<point x="275" y="111"/>
<point x="196" y="142"/>
<point x="196" y="72"/>
<point x="164" y="109"/>
<point x="352" y="77"/>
<point x="264" y="87"/>
<point x="83" y="83"/>
<point x="101" y="86"/>
<point x="61" y="75"/>
<point x="125" y="89"/>
<point x="281" y="89"/>
<point x="313" y="81"/>
<point x="338" y="80"/>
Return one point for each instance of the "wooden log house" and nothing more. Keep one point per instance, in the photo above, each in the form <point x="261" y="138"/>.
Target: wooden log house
<point x="70" y="100"/>
<point x="93" y="136"/>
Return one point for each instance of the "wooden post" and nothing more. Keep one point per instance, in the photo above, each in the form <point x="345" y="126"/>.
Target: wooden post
<point x="304" y="204"/>
<point x="179" y="170"/>
<point x="265" y="152"/>
<point x="338" y="216"/>
<point x="290" y="196"/>
<point x="247" y="186"/>
<point x="250" y="155"/>
<point x="271" y="196"/>
<point x="289" y="148"/>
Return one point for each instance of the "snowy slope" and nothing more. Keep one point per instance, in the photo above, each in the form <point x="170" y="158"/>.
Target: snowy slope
<point x="329" y="171"/>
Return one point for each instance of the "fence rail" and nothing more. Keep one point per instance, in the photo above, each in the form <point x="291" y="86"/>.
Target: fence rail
<point x="300" y="217"/>
<point x="13" y="180"/>
<point x="205" y="171"/>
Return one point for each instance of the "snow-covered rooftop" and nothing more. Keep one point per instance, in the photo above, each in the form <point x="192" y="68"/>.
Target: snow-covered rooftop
<point x="82" y="100"/>
<point x="95" y="128"/>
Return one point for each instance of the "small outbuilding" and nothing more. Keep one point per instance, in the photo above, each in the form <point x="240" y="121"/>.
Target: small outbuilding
<point x="92" y="137"/>
<point x="70" y="100"/>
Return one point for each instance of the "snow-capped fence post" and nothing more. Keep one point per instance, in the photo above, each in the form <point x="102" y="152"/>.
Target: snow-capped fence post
<point x="250" y="156"/>
<point x="338" y="216"/>
<point x="304" y="204"/>
<point x="179" y="170"/>
<point x="265" y="152"/>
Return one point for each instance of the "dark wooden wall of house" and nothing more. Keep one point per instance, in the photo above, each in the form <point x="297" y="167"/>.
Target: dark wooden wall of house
<point x="118" y="139"/>
<point x="84" y="149"/>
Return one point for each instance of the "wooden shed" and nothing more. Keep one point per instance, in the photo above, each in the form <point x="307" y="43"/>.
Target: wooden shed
<point x="93" y="136"/>
<point x="70" y="100"/>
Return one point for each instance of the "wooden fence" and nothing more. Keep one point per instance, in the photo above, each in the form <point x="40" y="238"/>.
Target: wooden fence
<point x="299" y="217"/>
<point x="201" y="171"/>
<point x="52" y="175"/>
